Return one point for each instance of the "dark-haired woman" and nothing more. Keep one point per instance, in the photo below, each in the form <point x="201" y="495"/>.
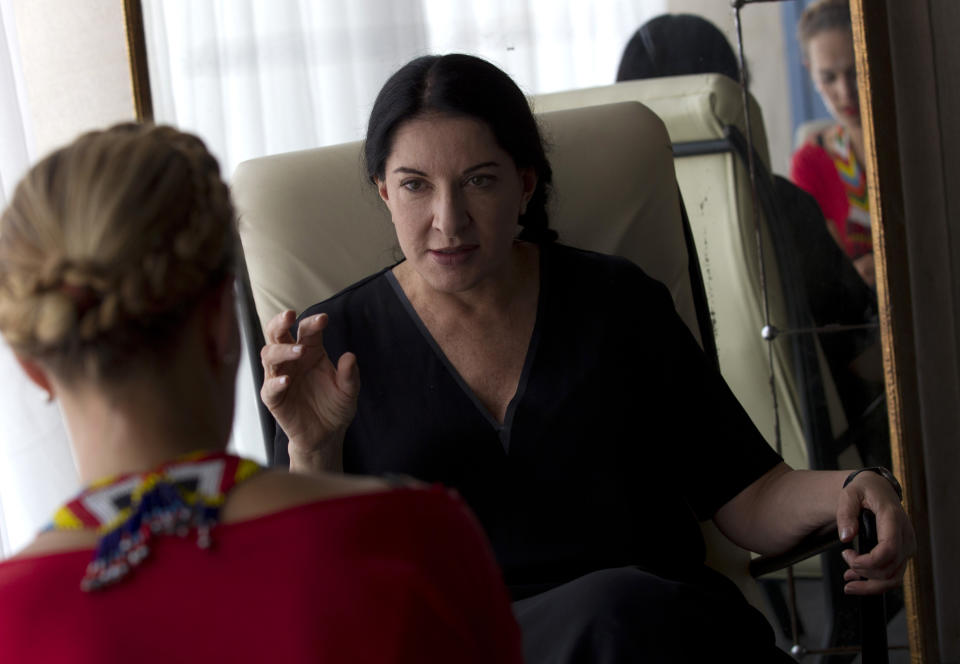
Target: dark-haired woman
<point x="116" y="292"/>
<point x="677" y="45"/>
<point x="556" y="389"/>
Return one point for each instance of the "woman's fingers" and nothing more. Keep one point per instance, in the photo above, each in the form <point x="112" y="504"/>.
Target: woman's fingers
<point x="881" y="568"/>
<point x="857" y="585"/>
<point x="889" y="550"/>
<point x="848" y="513"/>
<point x="280" y="347"/>
<point x="882" y="565"/>
<point x="310" y="330"/>
<point x="305" y="363"/>
<point x="348" y="375"/>
<point x="273" y="390"/>
<point x="854" y="574"/>
<point x="276" y="357"/>
<point x="278" y="328"/>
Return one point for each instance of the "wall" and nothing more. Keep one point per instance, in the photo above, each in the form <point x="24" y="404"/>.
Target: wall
<point x="926" y="66"/>
<point x="75" y="66"/>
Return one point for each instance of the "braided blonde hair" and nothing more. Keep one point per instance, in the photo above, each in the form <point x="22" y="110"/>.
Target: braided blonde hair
<point x="109" y="243"/>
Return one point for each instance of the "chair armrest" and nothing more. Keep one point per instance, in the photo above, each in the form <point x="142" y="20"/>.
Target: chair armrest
<point x="819" y="541"/>
<point x="873" y="622"/>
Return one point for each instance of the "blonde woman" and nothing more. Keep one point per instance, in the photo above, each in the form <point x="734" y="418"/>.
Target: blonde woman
<point x="831" y="165"/>
<point x="116" y="293"/>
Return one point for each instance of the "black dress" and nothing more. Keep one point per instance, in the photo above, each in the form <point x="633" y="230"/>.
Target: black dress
<point x="619" y="439"/>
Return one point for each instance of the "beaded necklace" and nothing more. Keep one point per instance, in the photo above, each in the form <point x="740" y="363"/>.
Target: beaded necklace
<point x="177" y="497"/>
<point x="856" y="233"/>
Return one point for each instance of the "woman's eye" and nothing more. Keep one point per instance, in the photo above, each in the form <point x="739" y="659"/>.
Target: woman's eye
<point x="412" y="185"/>
<point x="480" y="180"/>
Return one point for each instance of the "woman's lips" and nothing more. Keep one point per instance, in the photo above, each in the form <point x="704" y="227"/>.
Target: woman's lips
<point x="453" y="256"/>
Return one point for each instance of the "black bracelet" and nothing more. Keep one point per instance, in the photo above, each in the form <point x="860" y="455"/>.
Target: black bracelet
<point x="882" y="472"/>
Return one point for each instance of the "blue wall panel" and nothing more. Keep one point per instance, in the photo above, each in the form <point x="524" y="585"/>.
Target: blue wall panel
<point x="805" y="103"/>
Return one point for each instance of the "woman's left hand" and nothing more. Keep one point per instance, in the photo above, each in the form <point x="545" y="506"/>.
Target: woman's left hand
<point x="882" y="568"/>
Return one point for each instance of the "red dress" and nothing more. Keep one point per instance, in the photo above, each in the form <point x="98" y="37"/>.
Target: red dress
<point x="394" y="576"/>
<point x="829" y="171"/>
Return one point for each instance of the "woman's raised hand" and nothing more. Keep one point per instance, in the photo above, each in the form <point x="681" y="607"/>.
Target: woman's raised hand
<point x="312" y="400"/>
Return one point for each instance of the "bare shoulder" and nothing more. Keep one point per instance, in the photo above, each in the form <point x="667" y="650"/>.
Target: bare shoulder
<point x="276" y="489"/>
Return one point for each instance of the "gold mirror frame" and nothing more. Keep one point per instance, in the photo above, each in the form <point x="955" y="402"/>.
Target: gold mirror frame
<point x="871" y="39"/>
<point x="137" y="54"/>
<point x="885" y="189"/>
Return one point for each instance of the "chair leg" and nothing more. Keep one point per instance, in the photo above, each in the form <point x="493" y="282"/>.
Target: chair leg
<point x="841" y="611"/>
<point x="873" y="617"/>
<point x="871" y="632"/>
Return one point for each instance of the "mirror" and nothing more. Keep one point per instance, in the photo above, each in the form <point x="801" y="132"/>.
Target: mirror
<point x="255" y="78"/>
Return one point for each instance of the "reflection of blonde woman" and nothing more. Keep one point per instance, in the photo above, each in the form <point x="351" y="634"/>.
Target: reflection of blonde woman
<point x="116" y="293"/>
<point x="830" y="165"/>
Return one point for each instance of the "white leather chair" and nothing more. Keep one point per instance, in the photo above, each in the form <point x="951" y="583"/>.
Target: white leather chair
<point x="311" y="225"/>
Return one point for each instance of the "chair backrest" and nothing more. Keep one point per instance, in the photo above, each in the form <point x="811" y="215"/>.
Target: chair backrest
<point x="311" y="225"/>
<point x="704" y="115"/>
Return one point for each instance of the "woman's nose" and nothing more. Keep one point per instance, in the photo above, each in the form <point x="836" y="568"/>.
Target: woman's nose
<point x="450" y="214"/>
<point x="848" y="89"/>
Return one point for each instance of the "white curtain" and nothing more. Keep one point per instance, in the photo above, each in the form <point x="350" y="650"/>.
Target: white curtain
<point x="36" y="467"/>
<point x="255" y="77"/>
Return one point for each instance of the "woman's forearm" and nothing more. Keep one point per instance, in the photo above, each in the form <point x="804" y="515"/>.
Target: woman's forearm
<point x="781" y="508"/>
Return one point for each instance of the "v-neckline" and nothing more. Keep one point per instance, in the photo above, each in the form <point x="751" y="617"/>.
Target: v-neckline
<point x="503" y="430"/>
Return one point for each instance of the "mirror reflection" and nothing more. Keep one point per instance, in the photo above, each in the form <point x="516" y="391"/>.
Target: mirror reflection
<point x="259" y="78"/>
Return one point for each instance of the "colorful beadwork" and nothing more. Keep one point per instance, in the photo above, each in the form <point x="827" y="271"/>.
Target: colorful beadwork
<point x="854" y="179"/>
<point x="179" y="497"/>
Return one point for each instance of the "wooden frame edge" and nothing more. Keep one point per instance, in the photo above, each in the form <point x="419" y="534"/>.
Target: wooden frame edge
<point x="886" y="199"/>
<point x="137" y="56"/>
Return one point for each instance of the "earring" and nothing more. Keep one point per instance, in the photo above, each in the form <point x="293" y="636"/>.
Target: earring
<point x="47" y="396"/>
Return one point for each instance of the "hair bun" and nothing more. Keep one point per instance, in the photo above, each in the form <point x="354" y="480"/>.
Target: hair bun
<point x="108" y="242"/>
